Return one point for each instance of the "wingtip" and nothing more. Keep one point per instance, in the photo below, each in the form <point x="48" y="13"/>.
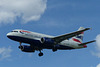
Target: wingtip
<point x="81" y="28"/>
<point x="89" y="28"/>
<point x="94" y="40"/>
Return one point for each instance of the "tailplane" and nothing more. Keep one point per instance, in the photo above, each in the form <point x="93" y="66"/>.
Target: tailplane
<point x="79" y="39"/>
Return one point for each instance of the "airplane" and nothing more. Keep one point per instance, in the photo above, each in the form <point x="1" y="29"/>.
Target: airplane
<point x="38" y="42"/>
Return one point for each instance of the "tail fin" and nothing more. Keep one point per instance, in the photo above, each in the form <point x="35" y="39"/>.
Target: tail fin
<point x="79" y="38"/>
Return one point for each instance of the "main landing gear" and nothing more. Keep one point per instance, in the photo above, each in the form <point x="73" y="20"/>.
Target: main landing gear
<point x="40" y="54"/>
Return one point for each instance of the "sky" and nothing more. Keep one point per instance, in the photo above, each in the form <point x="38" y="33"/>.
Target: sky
<point x="52" y="17"/>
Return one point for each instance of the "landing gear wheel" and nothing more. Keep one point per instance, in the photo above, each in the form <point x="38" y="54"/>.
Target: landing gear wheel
<point x="20" y="47"/>
<point x="40" y="54"/>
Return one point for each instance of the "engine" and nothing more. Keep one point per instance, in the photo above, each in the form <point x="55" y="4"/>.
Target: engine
<point x="47" y="41"/>
<point x="26" y="48"/>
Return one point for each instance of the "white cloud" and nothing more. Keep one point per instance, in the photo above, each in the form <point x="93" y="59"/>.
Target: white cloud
<point x="98" y="42"/>
<point x="97" y="53"/>
<point x="5" y="53"/>
<point x="98" y="65"/>
<point x="28" y="10"/>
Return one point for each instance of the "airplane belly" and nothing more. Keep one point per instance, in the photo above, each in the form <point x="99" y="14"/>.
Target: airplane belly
<point x="61" y="47"/>
<point x="23" y="39"/>
<point x="66" y="45"/>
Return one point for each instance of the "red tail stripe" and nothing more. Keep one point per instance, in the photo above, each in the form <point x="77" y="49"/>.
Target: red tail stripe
<point x="77" y="40"/>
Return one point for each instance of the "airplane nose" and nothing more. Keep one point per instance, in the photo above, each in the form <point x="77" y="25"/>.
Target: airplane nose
<point x="8" y="35"/>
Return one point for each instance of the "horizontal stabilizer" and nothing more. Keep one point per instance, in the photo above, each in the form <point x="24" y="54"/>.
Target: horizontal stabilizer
<point x="86" y="43"/>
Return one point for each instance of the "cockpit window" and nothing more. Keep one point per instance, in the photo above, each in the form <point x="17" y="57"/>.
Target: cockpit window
<point x="14" y="31"/>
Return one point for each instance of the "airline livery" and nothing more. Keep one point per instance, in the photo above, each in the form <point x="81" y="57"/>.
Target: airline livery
<point x="38" y="42"/>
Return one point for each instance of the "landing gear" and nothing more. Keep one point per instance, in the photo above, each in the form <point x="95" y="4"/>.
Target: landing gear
<point x="40" y="54"/>
<point x="20" y="43"/>
<point x="54" y="49"/>
<point x="20" y="47"/>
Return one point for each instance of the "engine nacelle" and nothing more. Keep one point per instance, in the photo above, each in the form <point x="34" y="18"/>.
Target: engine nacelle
<point x="26" y="48"/>
<point x="47" y="41"/>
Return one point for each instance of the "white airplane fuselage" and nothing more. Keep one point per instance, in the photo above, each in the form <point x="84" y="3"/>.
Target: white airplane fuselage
<point x="34" y="39"/>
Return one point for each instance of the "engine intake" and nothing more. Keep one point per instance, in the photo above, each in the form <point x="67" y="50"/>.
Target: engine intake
<point x="47" y="40"/>
<point x="26" y="48"/>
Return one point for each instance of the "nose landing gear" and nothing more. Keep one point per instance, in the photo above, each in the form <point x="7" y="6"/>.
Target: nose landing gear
<point x="40" y="54"/>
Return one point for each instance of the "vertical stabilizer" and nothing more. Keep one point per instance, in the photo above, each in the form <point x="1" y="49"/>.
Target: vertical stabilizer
<point x="79" y="38"/>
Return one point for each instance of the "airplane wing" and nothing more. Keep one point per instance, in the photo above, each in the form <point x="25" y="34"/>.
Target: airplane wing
<point x="86" y="43"/>
<point x="59" y="39"/>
